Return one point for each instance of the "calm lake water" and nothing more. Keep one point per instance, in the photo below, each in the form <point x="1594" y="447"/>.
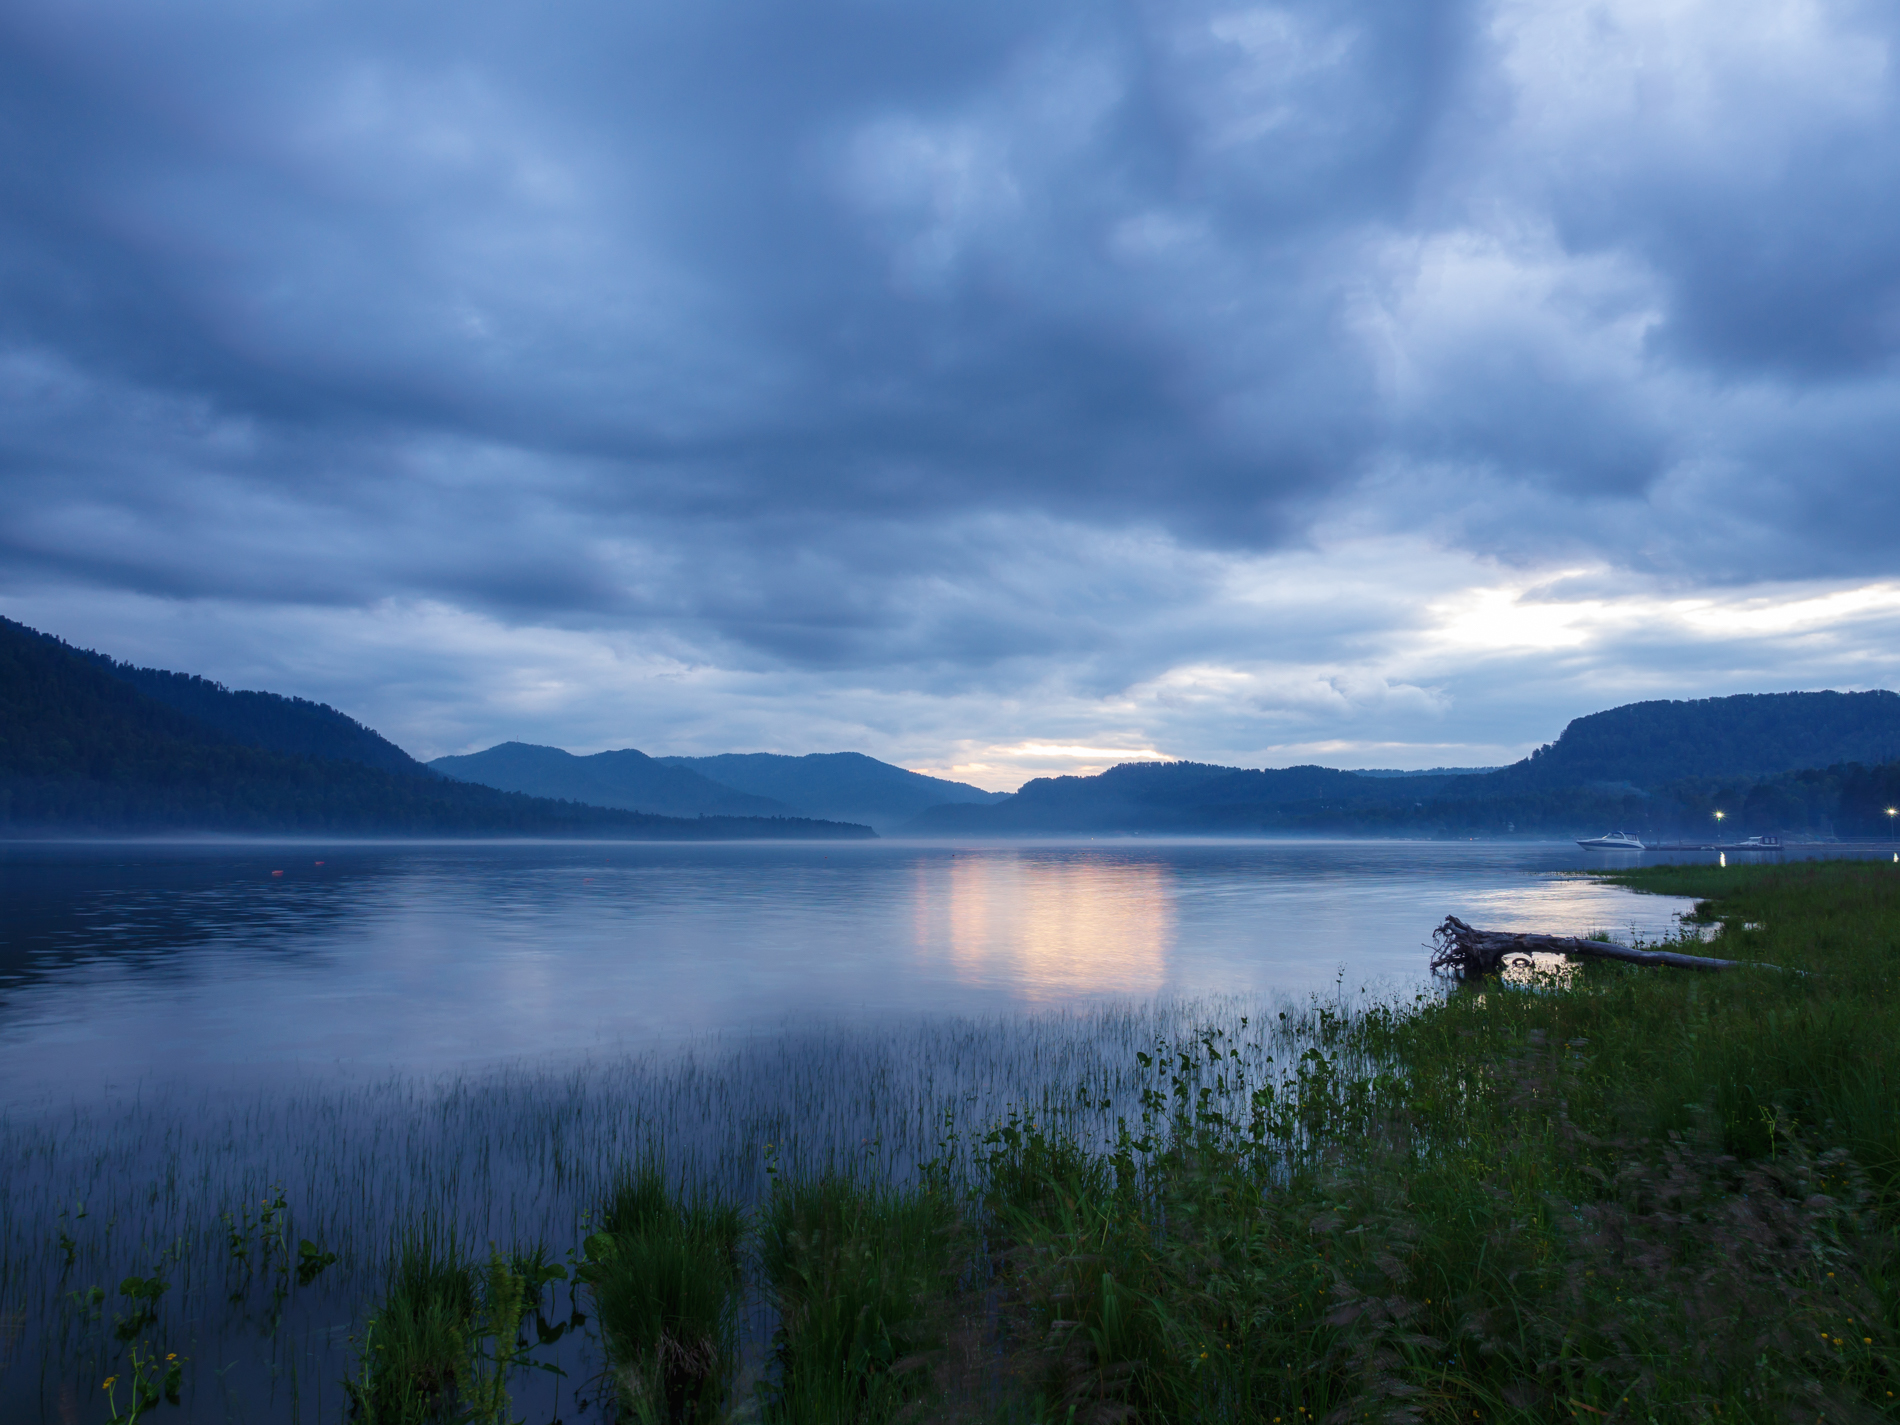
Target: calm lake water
<point x="126" y="965"/>
<point x="474" y="1039"/>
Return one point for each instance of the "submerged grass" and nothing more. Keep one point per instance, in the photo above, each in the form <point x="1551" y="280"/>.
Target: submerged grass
<point x="416" y="1345"/>
<point x="1600" y="1193"/>
<point x="218" y="1194"/>
<point x="663" y="1273"/>
<point x="858" y="1272"/>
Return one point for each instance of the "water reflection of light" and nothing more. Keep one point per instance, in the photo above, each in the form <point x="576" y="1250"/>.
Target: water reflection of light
<point x="1537" y="970"/>
<point x="1573" y="905"/>
<point x="1048" y="927"/>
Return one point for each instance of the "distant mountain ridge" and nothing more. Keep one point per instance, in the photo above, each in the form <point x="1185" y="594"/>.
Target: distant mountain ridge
<point x="1651" y="764"/>
<point x="1185" y="797"/>
<point x="830" y="786"/>
<point x="843" y="785"/>
<point x="626" y="778"/>
<point x="84" y="750"/>
<point x="89" y="743"/>
<point x="1423" y="771"/>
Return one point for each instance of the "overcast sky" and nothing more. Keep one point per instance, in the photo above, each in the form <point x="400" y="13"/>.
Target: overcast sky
<point x="995" y="388"/>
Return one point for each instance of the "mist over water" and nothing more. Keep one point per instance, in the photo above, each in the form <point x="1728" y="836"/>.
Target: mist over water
<point x="132" y="965"/>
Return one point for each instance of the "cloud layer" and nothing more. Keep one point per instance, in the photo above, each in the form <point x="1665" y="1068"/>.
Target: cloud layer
<point x="1378" y="382"/>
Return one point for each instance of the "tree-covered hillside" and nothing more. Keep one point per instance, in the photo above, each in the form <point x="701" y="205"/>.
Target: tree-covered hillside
<point x="1791" y="763"/>
<point x="269" y="720"/>
<point x="85" y="751"/>
<point x="1751" y="735"/>
<point x="1848" y="800"/>
<point x="1161" y="797"/>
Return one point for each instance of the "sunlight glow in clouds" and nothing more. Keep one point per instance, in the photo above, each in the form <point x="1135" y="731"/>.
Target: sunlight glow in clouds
<point x="1398" y="684"/>
<point x="1003" y="769"/>
<point x="1514" y="618"/>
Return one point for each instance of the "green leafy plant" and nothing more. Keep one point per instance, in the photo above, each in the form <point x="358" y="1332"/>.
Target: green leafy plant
<point x="143" y="1293"/>
<point x="153" y="1380"/>
<point x="484" y="1398"/>
<point x="311" y="1260"/>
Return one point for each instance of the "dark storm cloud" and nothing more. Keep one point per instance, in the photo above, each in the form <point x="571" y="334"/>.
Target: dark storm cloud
<point x="840" y="334"/>
<point x="790" y="254"/>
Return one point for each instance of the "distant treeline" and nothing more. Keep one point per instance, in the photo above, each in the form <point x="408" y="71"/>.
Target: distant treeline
<point x="1804" y="764"/>
<point x="267" y="720"/>
<point x="84" y="749"/>
<point x="1753" y="735"/>
<point x="1847" y="801"/>
<point x="88" y="744"/>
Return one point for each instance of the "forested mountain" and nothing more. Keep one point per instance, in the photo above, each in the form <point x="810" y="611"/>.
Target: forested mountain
<point x="269" y="720"/>
<point x="845" y="786"/>
<point x="1784" y="762"/>
<point x="833" y="786"/>
<point x="626" y="778"/>
<point x="1847" y="800"/>
<point x="91" y="744"/>
<point x="1422" y="771"/>
<point x="85" y="751"/>
<point x="1160" y="797"/>
<point x="1750" y="735"/>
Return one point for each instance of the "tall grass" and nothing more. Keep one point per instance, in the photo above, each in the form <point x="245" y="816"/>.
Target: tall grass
<point x="217" y="1193"/>
<point x="416" y="1347"/>
<point x="664" y="1275"/>
<point x="857" y="1271"/>
<point x="1618" y="1194"/>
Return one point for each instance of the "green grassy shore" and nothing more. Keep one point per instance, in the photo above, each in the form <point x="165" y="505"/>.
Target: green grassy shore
<point x="1600" y="1194"/>
<point x="1585" y="1192"/>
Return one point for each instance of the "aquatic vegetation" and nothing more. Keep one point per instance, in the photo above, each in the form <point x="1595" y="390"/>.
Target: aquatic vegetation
<point x="663" y="1273"/>
<point x="311" y="1260"/>
<point x="1595" y="1191"/>
<point x="152" y="1380"/>
<point x="506" y="1296"/>
<point x="416" y="1346"/>
<point x="186" y="1186"/>
<point x="445" y="1339"/>
<point x="857" y="1270"/>
<point x="1617" y="1192"/>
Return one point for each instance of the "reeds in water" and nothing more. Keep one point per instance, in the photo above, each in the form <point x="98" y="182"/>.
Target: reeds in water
<point x="663" y="1274"/>
<point x="858" y="1272"/>
<point x="416" y="1341"/>
<point x="1616" y="1194"/>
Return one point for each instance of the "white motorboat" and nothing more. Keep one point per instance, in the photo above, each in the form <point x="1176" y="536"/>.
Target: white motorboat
<point x="1612" y="841"/>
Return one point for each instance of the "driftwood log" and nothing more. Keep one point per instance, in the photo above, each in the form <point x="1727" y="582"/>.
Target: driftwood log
<point x="1469" y="953"/>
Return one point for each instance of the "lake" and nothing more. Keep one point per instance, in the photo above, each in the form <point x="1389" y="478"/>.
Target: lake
<point x="211" y="1053"/>
<point x="127" y="963"/>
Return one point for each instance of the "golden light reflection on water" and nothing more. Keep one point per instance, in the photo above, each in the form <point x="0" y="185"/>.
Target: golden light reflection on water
<point x="1048" y="926"/>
